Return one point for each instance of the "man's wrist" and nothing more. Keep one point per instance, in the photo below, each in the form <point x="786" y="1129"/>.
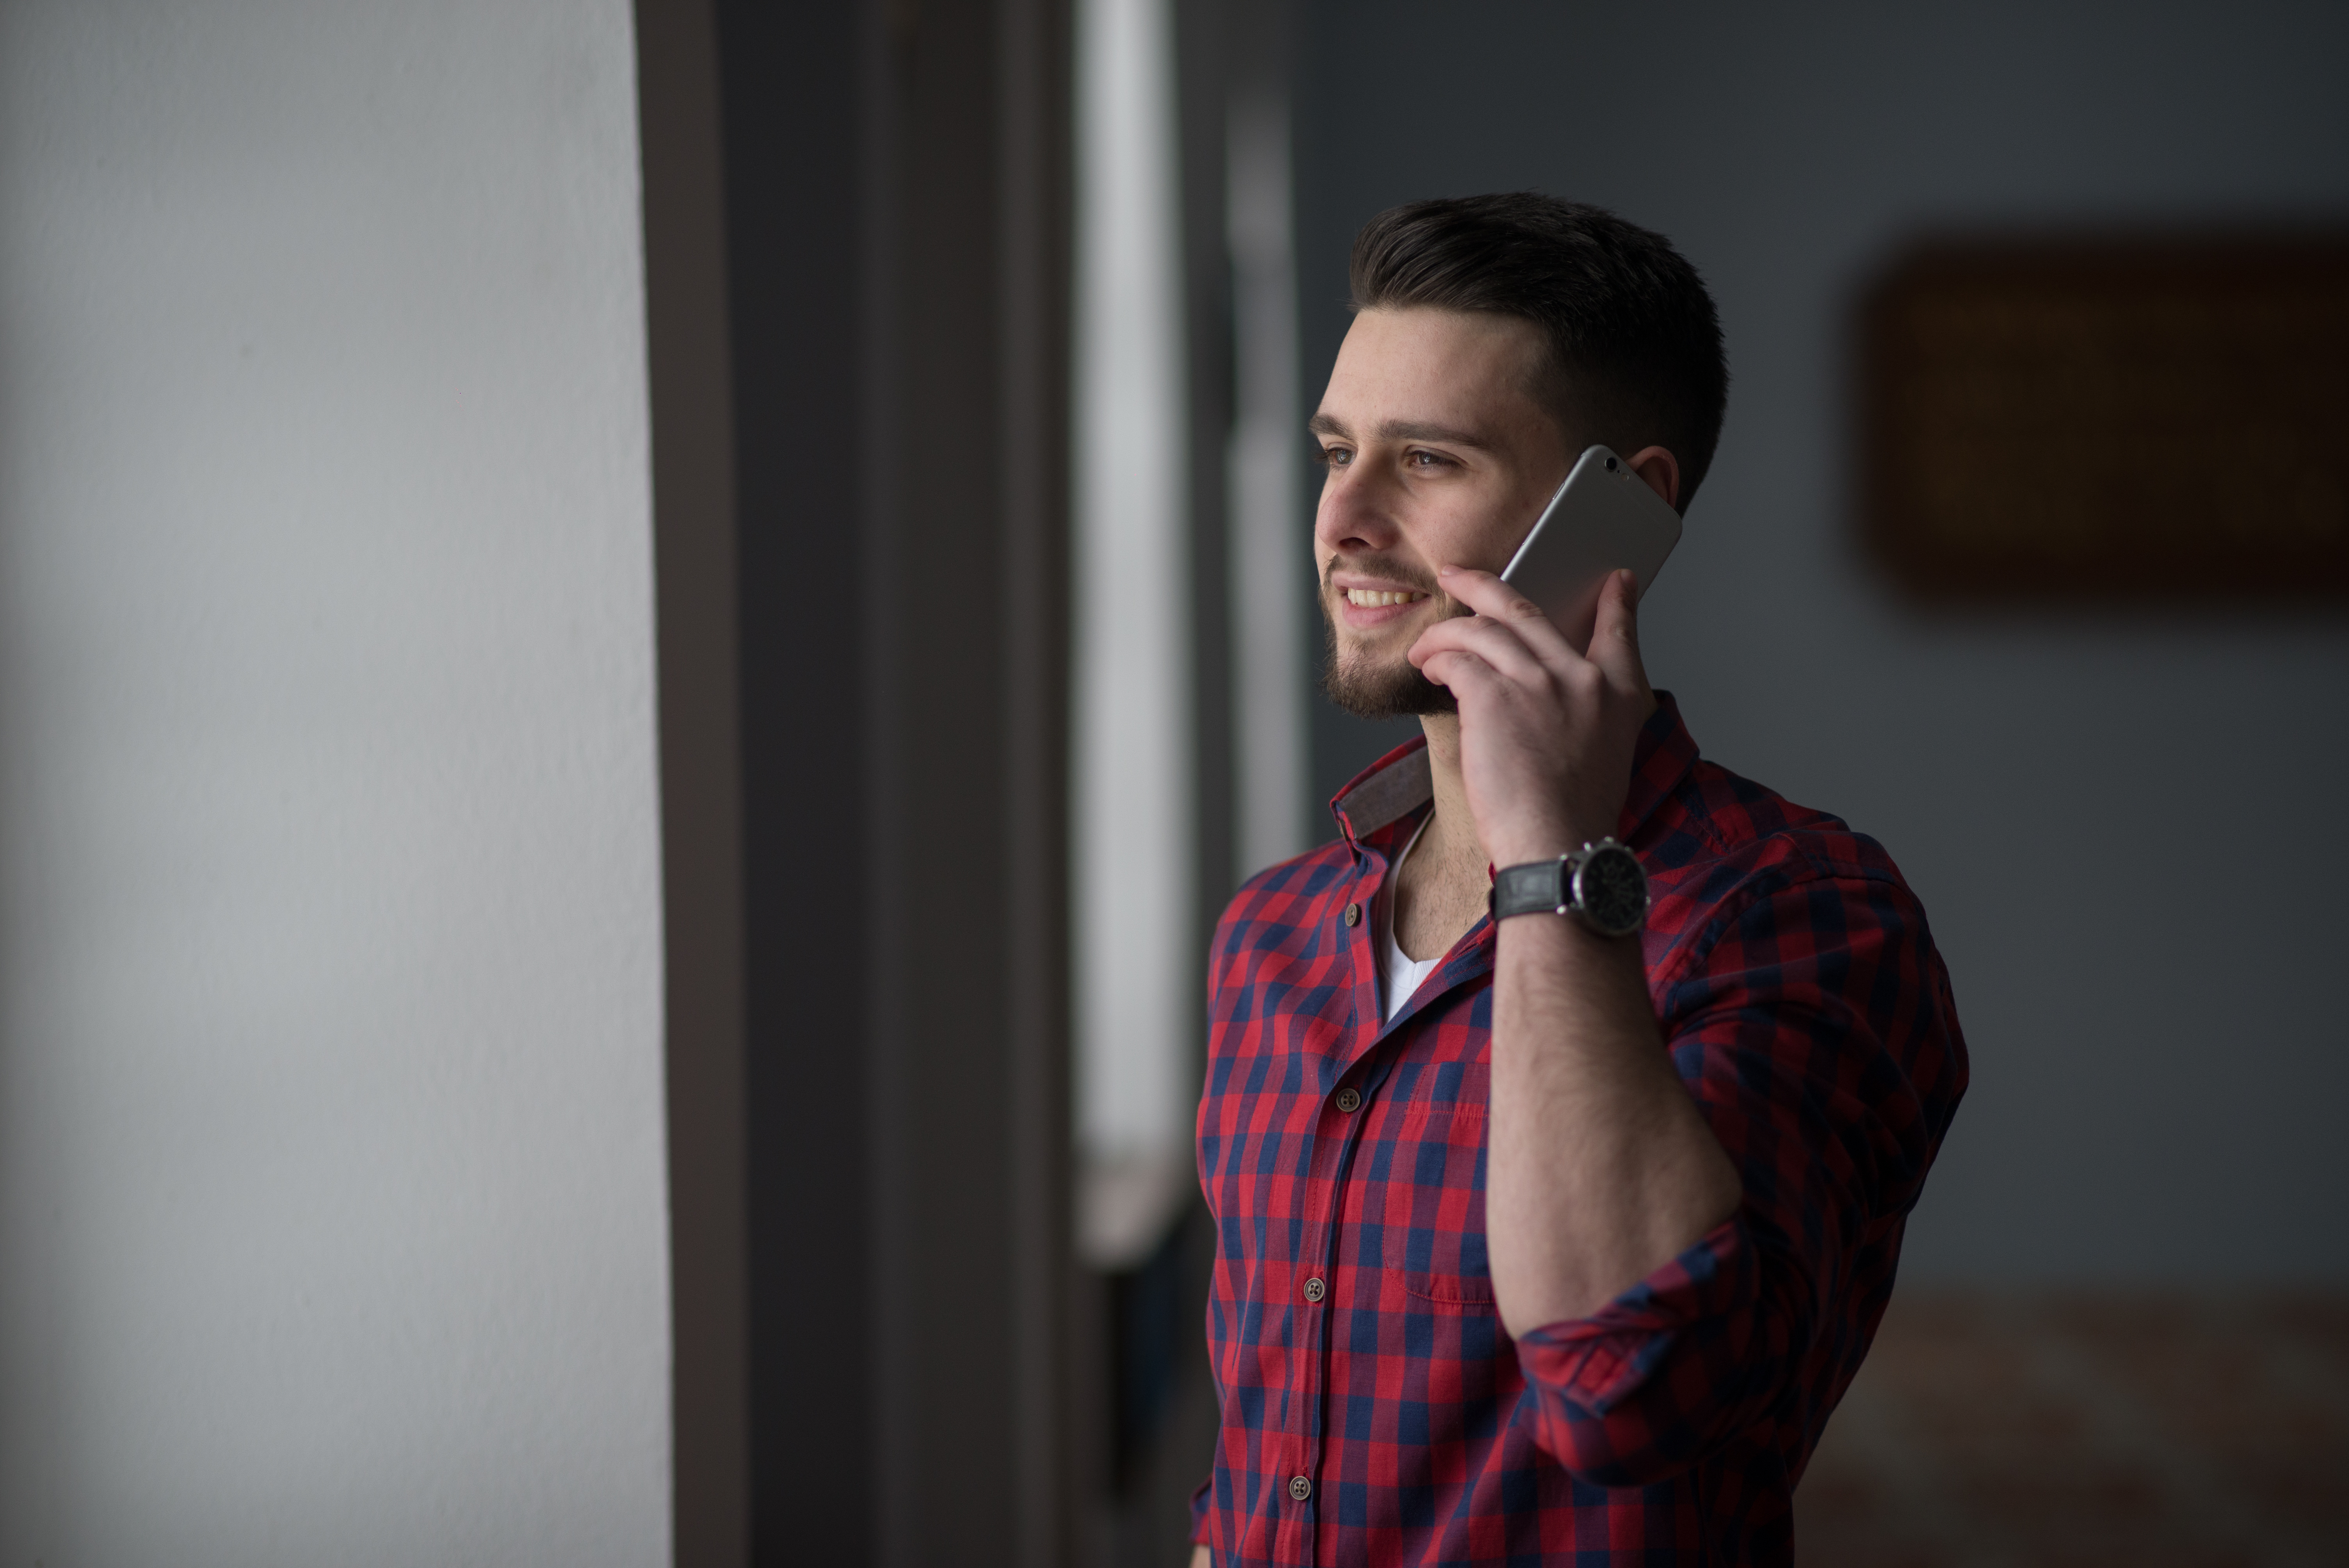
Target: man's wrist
<point x="1545" y="841"/>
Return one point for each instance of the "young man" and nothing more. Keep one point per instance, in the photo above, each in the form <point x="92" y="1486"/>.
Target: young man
<point x="1545" y="1234"/>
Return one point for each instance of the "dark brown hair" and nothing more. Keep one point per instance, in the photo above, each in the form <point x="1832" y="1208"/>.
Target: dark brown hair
<point x="1635" y="344"/>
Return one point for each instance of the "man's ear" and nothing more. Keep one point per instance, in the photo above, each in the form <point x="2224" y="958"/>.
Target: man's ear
<point x="1661" y="470"/>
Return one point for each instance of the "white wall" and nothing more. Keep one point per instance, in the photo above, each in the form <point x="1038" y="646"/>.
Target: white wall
<point x="331" y="1194"/>
<point x="2124" y="825"/>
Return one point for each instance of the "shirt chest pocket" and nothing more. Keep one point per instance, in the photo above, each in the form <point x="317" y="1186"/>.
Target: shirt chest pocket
<point x="1434" y="1202"/>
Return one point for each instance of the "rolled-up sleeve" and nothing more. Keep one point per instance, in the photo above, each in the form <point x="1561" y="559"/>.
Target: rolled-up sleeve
<point x="1812" y="1023"/>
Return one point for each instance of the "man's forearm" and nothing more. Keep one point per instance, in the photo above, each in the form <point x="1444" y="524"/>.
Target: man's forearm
<point x="1599" y="1168"/>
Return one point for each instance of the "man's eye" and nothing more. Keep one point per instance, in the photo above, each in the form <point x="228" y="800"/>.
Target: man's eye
<point x="1336" y="457"/>
<point x="1423" y="460"/>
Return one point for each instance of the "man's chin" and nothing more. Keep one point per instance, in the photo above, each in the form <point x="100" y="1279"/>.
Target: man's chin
<point x="1368" y="689"/>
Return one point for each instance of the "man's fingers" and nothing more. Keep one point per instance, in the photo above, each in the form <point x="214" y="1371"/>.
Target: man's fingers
<point x="1456" y="670"/>
<point x="1497" y="644"/>
<point x="1486" y="594"/>
<point x="1497" y="600"/>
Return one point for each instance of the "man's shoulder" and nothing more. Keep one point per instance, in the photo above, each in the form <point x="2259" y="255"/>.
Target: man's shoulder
<point x="1286" y="928"/>
<point x="1722" y="828"/>
<point x="1766" y="902"/>
<point x="1290" y="891"/>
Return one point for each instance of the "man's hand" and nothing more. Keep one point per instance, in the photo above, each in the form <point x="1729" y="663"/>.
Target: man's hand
<point x="1202" y="1558"/>
<point x="1545" y="734"/>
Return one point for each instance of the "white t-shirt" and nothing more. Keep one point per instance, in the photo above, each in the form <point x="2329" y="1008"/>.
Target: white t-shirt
<point x="1403" y="973"/>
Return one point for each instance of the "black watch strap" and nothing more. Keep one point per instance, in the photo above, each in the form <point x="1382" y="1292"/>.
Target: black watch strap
<point x="1538" y="887"/>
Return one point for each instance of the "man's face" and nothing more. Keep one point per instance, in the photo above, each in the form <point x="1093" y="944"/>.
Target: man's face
<point x="1434" y="453"/>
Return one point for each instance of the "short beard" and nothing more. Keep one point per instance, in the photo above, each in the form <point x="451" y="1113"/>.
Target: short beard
<point x="1368" y="690"/>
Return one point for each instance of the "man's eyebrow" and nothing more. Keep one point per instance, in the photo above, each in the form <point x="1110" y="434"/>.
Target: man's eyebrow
<point x="1414" y="431"/>
<point x="1403" y="430"/>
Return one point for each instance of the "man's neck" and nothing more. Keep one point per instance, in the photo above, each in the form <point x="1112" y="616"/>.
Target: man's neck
<point x="1441" y="891"/>
<point x="1452" y="824"/>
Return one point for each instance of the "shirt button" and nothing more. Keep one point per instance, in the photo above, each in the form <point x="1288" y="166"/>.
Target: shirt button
<point x="1348" y="1101"/>
<point x="1314" y="1289"/>
<point x="1354" y="914"/>
<point x="1299" y="1488"/>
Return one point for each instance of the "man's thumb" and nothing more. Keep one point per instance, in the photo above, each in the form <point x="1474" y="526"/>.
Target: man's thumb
<point x="1615" y="636"/>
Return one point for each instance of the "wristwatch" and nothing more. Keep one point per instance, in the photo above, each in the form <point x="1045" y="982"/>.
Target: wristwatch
<point x="1600" y="884"/>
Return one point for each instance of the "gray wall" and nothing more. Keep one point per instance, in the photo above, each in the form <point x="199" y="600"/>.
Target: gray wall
<point x="2123" y="825"/>
<point x="332" y="1210"/>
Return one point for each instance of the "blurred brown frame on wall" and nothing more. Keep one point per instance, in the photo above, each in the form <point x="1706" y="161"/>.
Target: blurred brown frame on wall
<point x="2109" y="419"/>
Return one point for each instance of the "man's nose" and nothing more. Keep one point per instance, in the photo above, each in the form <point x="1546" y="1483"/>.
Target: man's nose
<point x="1353" y="514"/>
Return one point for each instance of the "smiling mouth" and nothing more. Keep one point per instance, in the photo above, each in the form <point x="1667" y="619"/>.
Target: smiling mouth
<point x="1371" y="598"/>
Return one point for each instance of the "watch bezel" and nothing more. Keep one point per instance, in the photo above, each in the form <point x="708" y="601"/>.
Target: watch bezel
<point x="1576" y="862"/>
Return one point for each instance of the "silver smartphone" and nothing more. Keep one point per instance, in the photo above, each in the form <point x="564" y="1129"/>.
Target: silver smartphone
<point x="1603" y="518"/>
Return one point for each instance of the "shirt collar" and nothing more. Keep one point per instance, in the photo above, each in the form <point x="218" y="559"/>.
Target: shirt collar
<point x="1401" y="782"/>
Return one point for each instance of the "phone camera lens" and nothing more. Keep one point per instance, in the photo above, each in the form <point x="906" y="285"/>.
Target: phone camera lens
<point x="1610" y="465"/>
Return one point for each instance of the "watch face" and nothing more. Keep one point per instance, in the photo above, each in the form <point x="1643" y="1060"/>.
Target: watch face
<point x="1612" y="891"/>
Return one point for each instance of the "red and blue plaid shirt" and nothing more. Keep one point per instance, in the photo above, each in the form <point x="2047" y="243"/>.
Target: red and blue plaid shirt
<point x="1374" y="1411"/>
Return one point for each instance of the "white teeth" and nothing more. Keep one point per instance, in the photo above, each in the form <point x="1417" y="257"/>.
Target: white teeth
<point x="1371" y="598"/>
